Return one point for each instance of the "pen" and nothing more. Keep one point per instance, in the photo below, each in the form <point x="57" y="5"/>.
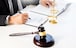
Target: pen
<point x="21" y="12"/>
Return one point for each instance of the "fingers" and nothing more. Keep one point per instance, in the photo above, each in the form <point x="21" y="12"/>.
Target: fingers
<point x="51" y="2"/>
<point x="47" y="3"/>
<point x="25" y="14"/>
<point x="19" y="18"/>
<point x="25" y="17"/>
<point x="44" y="3"/>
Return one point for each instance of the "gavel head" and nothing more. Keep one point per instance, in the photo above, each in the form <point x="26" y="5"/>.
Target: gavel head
<point x="41" y="29"/>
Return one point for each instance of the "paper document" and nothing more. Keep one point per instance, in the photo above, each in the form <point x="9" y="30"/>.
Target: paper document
<point x="36" y="19"/>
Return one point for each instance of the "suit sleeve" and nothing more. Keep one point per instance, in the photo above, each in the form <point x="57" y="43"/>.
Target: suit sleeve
<point x="4" y="12"/>
<point x="3" y="20"/>
<point x="3" y="15"/>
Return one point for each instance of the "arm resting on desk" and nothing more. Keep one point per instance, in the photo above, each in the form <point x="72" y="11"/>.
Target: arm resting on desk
<point x="3" y="20"/>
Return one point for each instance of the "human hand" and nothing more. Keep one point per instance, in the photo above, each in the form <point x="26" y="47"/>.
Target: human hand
<point x="18" y="18"/>
<point x="47" y="3"/>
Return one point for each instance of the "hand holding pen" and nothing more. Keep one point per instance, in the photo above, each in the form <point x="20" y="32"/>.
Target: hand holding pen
<point x="19" y="18"/>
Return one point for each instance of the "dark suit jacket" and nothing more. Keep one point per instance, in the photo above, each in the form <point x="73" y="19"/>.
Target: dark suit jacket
<point x="4" y="10"/>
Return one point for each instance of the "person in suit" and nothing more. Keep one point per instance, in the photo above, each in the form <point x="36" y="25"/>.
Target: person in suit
<point x="7" y="13"/>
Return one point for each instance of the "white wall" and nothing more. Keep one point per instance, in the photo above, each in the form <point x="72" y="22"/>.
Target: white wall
<point x="71" y="1"/>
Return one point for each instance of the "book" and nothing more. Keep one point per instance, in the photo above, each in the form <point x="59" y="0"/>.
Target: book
<point x="39" y="14"/>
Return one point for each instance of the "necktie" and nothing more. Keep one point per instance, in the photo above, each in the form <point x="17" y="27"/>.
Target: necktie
<point x="11" y="7"/>
<point x="19" y="4"/>
<point x="15" y="6"/>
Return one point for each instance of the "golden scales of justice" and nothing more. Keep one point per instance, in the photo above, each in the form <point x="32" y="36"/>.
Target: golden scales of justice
<point x="53" y="17"/>
<point x="55" y="13"/>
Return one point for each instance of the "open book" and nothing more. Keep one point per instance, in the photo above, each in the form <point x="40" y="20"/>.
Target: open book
<point x="36" y="19"/>
<point x="41" y="15"/>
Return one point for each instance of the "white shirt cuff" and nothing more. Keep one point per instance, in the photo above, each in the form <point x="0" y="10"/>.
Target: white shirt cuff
<point x="7" y="19"/>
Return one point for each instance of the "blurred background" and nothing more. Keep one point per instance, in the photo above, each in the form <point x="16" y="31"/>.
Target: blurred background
<point x="74" y="1"/>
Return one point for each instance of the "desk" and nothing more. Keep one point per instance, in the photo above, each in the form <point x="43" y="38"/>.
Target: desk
<point x="64" y="33"/>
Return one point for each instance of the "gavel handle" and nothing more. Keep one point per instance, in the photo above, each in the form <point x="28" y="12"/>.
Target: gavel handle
<point x="21" y="34"/>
